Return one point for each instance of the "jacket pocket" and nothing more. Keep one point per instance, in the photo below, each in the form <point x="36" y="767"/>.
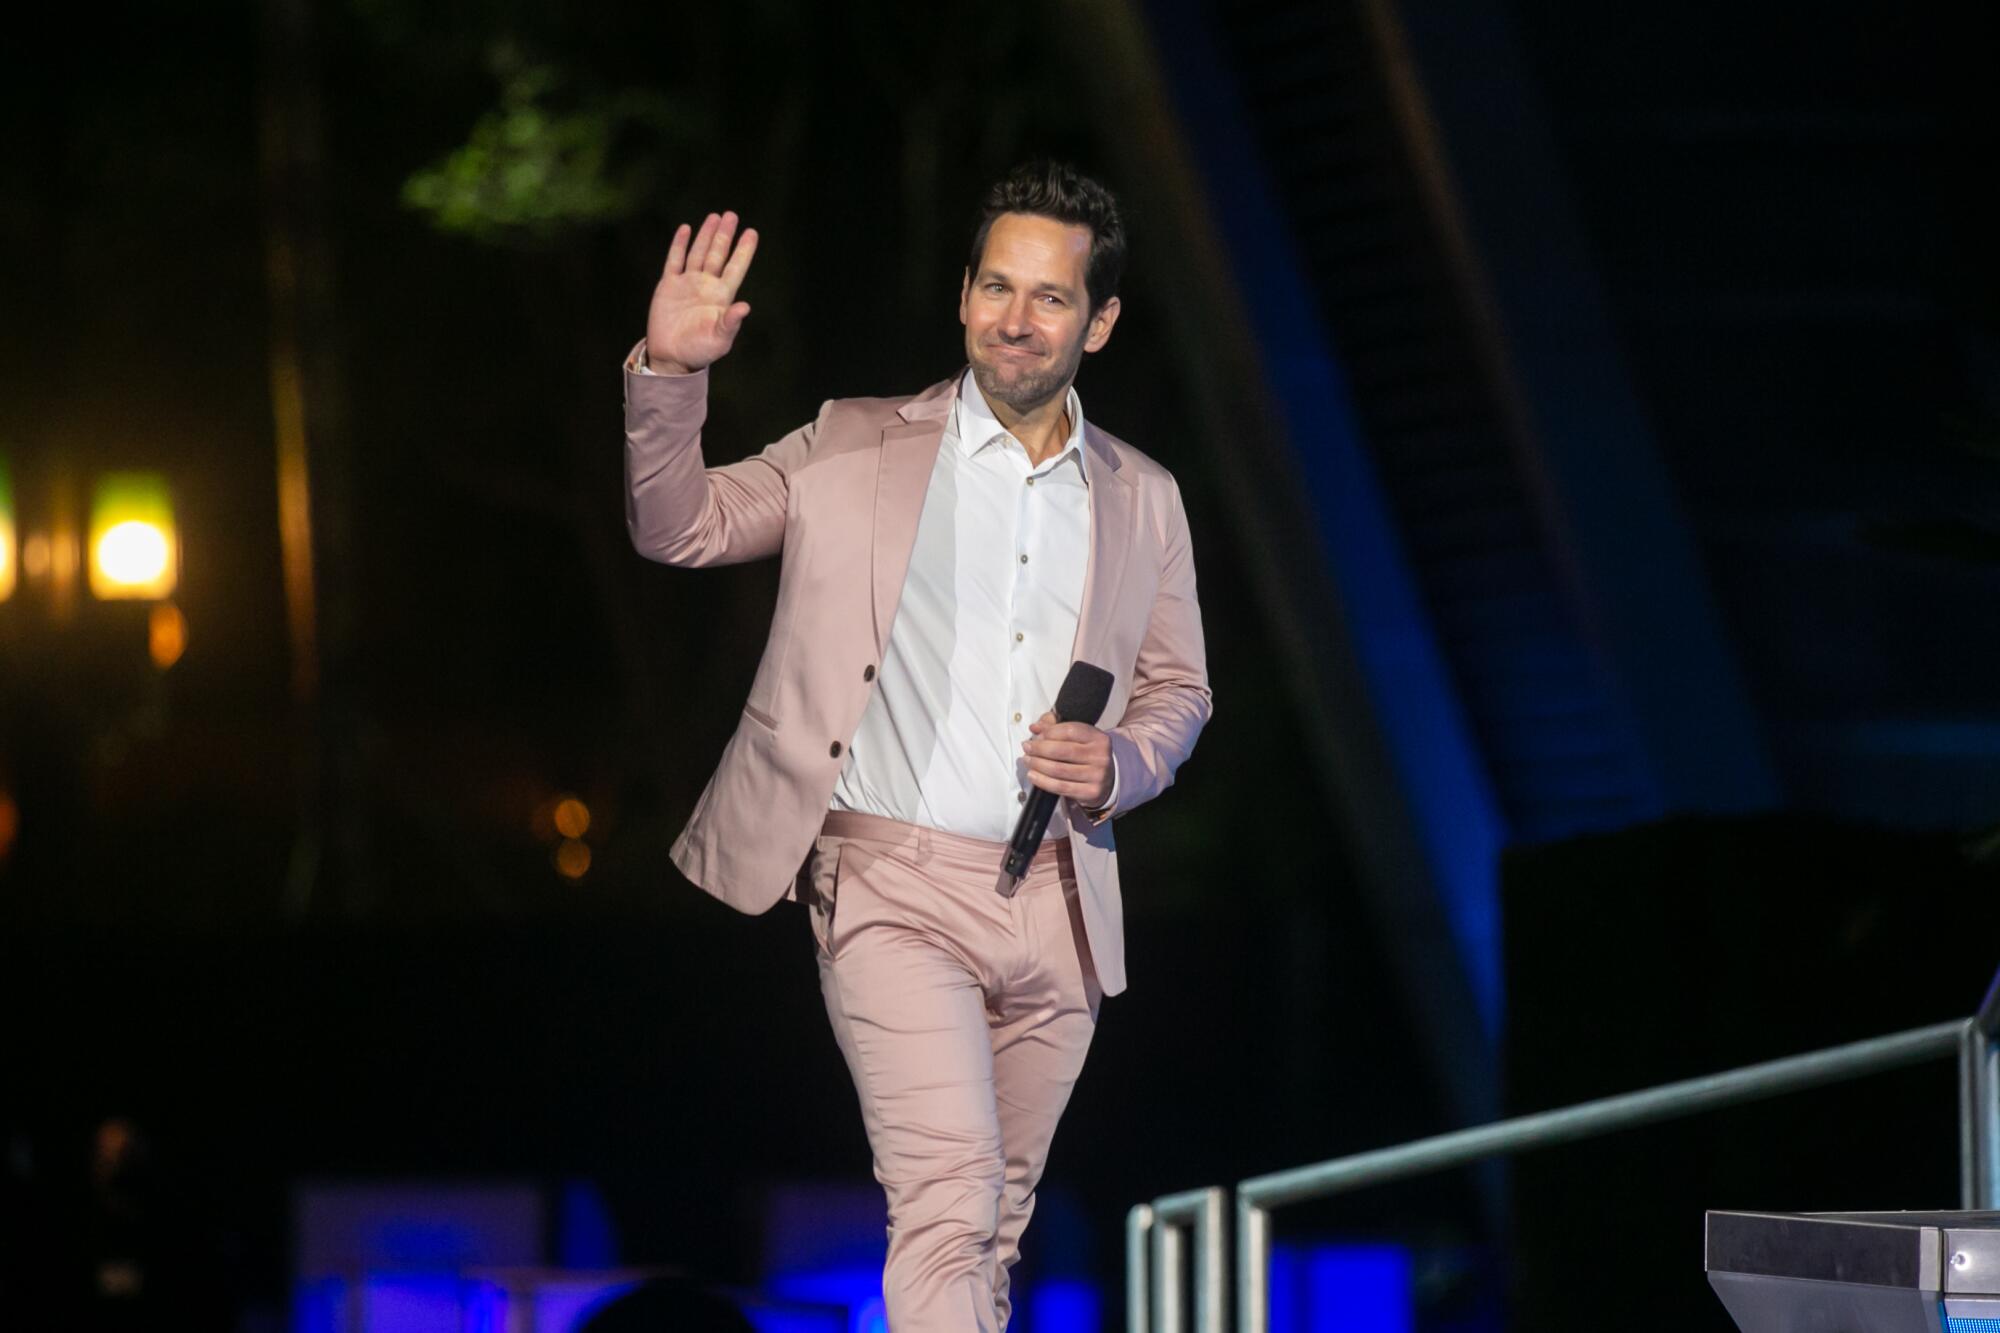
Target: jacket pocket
<point x="760" y="717"/>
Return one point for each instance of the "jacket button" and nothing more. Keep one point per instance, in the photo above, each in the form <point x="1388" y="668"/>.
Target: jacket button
<point x="835" y="751"/>
<point x="868" y="672"/>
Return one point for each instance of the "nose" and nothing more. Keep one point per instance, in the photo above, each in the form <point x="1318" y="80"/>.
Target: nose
<point x="1014" y="319"/>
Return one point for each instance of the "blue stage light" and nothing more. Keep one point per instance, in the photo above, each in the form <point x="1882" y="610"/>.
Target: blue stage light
<point x="409" y="1303"/>
<point x="1349" y="1288"/>
<point x="1065" y="1306"/>
<point x="857" y="1289"/>
<point x="319" y="1306"/>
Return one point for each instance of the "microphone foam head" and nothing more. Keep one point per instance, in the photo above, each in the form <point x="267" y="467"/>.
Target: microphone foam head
<point x="1084" y="693"/>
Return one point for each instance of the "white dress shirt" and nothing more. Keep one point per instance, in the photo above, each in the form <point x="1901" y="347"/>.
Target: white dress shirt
<point x="982" y="637"/>
<point x="983" y="631"/>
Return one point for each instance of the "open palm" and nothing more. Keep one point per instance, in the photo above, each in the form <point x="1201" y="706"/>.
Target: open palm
<point x="695" y="314"/>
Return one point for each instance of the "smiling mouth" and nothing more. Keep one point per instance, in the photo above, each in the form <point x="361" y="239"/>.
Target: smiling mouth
<point x="1016" y="351"/>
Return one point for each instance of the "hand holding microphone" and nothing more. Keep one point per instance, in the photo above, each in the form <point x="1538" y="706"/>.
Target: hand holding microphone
<point x="1069" y="756"/>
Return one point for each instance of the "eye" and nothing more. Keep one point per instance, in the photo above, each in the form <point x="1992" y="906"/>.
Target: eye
<point x="1053" y="300"/>
<point x="994" y="287"/>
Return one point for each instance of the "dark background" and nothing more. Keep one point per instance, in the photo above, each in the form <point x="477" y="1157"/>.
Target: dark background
<point x="320" y="935"/>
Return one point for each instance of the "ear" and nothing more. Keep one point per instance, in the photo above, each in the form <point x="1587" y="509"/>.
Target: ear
<point x="1099" y="332"/>
<point x="964" y="294"/>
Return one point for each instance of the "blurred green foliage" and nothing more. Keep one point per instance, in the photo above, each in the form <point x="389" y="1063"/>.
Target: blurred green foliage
<point x="533" y="168"/>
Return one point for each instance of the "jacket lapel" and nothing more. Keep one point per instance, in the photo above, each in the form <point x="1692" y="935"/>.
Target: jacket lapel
<point x="1114" y="517"/>
<point x="909" y="452"/>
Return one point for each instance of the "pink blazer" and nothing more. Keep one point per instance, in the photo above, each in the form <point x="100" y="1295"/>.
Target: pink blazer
<point x="838" y="500"/>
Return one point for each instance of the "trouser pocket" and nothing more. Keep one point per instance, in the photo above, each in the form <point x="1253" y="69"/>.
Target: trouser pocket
<point x="820" y="887"/>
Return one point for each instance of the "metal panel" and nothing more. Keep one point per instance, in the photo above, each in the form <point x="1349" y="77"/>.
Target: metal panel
<point x="1796" y="1305"/>
<point x="1824" y="1249"/>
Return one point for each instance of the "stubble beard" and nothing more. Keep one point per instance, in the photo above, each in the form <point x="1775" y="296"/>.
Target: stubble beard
<point x="1030" y="388"/>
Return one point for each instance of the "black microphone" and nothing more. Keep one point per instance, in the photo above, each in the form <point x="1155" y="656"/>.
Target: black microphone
<point x="1081" y="699"/>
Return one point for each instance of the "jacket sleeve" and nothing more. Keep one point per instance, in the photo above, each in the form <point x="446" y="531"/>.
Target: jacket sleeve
<point x="681" y="512"/>
<point x="1170" y="700"/>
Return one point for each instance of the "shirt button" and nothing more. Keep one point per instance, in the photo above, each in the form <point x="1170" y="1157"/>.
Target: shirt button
<point x="1017" y="717"/>
<point x="1024" y="559"/>
<point x="868" y="672"/>
<point x="835" y="751"/>
<point x="1021" y="797"/>
<point x="1031" y="481"/>
<point x="1018" y="636"/>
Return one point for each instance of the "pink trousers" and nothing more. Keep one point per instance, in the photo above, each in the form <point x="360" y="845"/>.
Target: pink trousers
<point x="964" y="1017"/>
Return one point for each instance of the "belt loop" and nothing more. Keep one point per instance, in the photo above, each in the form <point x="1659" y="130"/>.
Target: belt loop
<point x="923" y="842"/>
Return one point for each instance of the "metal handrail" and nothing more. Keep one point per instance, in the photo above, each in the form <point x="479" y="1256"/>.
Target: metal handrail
<point x="1153" y="1239"/>
<point x="1974" y="1041"/>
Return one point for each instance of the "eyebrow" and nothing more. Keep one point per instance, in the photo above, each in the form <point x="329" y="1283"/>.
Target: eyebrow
<point x="993" y="274"/>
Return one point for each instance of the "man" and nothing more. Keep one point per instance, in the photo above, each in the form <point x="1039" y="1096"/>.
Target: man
<point x="946" y="557"/>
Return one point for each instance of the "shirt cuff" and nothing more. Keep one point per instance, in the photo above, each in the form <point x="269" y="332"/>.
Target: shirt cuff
<point x="1103" y="812"/>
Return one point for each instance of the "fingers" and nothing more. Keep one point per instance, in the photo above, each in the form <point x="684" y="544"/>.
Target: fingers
<point x="1075" y="752"/>
<point x="739" y="263"/>
<point x="709" y="251"/>
<point x="1059" y="788"/>
<point x="1085" y="790"/>
<point x="1064" y="758"/>
<point x="697" y="258"/>
<point x="1066" y="770"/>
<point x="732" y="319"/>
<point x="718" y="246"/>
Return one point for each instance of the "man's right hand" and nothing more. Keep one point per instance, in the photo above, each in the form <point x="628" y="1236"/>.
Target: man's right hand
<point x="695" y="313"/>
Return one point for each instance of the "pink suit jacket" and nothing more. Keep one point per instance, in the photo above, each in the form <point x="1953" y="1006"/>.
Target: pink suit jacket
<point x="838" y="499"/>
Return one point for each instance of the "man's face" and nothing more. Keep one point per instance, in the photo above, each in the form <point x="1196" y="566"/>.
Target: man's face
<point x="1026" y="312"/>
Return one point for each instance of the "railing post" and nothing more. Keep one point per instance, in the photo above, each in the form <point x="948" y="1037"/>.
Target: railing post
<point x="1253" y="1265"/>
<point x="1173" y="1216"/>
<point x="1987" y="1194"/>
<point x="1138" y="1276"/>
<point x="1969" y="1050"/>
<point x="1169" y="1312"/>
<point x="1979" y="1116"/>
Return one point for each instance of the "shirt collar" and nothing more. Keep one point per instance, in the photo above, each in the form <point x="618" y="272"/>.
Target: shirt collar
<point x="978" y="427"/>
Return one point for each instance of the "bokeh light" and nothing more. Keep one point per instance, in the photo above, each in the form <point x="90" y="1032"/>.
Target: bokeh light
<point x="166" y="635"/>
<point x="132" y="542"/>
<point x="572" y="817"/>
<point x="572" y="859"/>
<point x="8" y="565"/>
<point x="132" y="554"/>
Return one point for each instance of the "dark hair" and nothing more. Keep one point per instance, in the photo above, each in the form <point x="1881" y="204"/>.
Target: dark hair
<point x="1058" y="190"/>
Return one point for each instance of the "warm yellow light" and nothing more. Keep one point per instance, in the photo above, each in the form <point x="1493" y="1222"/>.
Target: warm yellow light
<point x="572" y="859"/>
<point x="35" y="557"/>
<point x="9" y="571"/>
<point x="133" y="546"/>
<point x="166" y="635"/>
<point x="572" y="817"/>
<point x="133" y="554"/>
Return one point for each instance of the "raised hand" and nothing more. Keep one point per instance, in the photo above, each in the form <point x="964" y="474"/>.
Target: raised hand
<point x="695" y="313"/>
